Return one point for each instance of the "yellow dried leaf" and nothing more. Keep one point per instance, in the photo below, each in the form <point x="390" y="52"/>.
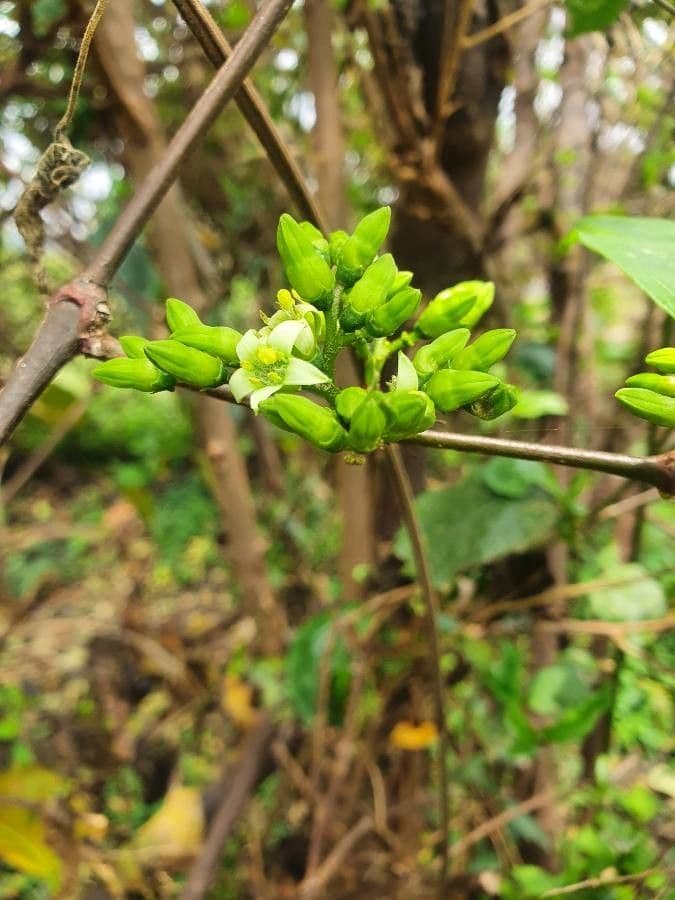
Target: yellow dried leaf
<point x="237" y="701"/>
<point x="32" y="783"/>
<point x="408" y="736"/>
<point x="23" y="845"/>
<point x="175" y="830"/>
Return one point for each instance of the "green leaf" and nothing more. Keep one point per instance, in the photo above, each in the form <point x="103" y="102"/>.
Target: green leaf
<point x="303" y="669"/>
<point x="46" y="13"/>
<point x="643" y="248"/>
<point x="577" y="721"/>
<point x="641" y="597"/>
<point x="513" y="478"/>
<point x="469" y="524"/>
<point x="592" y="15"/>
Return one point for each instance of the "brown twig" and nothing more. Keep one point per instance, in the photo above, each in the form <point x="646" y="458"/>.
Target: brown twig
<point x="496" y="823"/>
<point x="601" y="882"/>
<point x="406" y="499"/>
<point x="457" y="18"/>
<point x="236" y="790"/>
<point x="503" y="24"/>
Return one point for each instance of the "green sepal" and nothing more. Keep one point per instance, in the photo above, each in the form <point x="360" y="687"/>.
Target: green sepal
<point x="136" y="374"/>
<point x="186" y="364"/>
<point x="495" y="403"/>
<point x="486" y="350"/>
<point x="461" y="305"/>
<point x="392" y="315"/>
<point x="367" y="424"/>
<point x="307" y="271"/>
<point x="348" y="401"/>
<point x="648" y="405"/>
<point x="134" y="346"/>
<point x="180" y="315"/>
<point x="369" y="292"/>
<point x="441" y="352"/>
<point x="663" y="360"/>
<point x="317" y="424"/>
<point x="408" y="413"/>
<point x="218" y="340"/>
<point x="359" y="250"/>
<point x="450" y="389"/>
<point x="661" y="384"/>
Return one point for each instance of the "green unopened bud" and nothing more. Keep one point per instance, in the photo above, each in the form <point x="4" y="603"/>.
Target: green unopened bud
<point x="495" y="403"/>
<point x="389" y="317"/>
<point x="134" y="346"/>
<point x="451" y="389"/>
<point x="219" y="341"/>
<point x="336" y="241"/>
<point x="367" y="425"/>
<point x="486" y="350"/>
<point x="408" y="413"/>
<point x="662" y="384"/>
<point x="663" y="360"/>
<point x="316" y="424"/>
<point x="180" y="315"/>
<point x="441" y="352"/>
<point x="186" y="364"/>
<point x="369" y="292"/>
<point x="317" y="239"/>
<point x="359" y="250"/>
<point x="138" y="374"/>
<point x="401" y="281"/>
<point x="307" y="271"/>
<point x="348" y="401"/>
<point x="461" y="305"/>
<point x="648" y="405"/>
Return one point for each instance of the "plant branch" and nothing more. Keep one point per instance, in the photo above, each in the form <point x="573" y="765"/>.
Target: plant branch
<point x="217" y="49"/>
<point x="409" y="516"/>
<point x="503" y="24"/>
<point x="78" y="312"/>
<point x="457" y="17"/>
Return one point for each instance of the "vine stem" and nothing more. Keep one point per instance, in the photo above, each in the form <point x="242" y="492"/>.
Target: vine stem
<point x="409" y="516"/>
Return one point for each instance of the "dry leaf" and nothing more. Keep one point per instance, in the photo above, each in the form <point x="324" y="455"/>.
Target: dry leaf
<point x="408" y="736"/>
<point x="175" y="830"/>
<point x="237" y="701"/>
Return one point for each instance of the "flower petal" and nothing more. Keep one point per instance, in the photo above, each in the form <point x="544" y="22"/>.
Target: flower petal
<point x="241" y="385"/>
<point x="247" y="345"/>
<point x="406" y="376"/>
<point x="283" y="336"/>
<point x="301" y="372"/>
<point x="261" y="394"/>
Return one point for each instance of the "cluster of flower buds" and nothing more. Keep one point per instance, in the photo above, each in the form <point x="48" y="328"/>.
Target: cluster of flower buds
<point x="651" y="395"/>
<point x="342" y="294"/>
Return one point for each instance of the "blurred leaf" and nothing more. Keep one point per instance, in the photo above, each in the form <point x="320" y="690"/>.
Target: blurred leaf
<point x="535" y="404"/>
<point x="303" y="669"/>
<point x="592" y="15"/>
<point x="237" y="701"/>
<point x="32" y="783"/>
<point x="556" y="687"/>
<point x="45" y="13"/>
<point x="408" y="736"/>
<point x="513" y="478"/>
<point x="23" y="845"/>
<point x="642" y="597"/>
<point x="468" y="524"/>
<point x="642" y="247"/>
<point x="175" y="830"/>
<point x="577" y="721"/>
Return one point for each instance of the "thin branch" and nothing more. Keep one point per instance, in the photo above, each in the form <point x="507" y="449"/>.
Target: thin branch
<point x="216" y="47"/>
<point x="503" y="24"/>
<point x="78" y="312"/>
<point x="601" y="882"/>
<point x="236" y="791"/>
<point x="496" y="823"/>
<point x="456" y="20"/>
<point x="406" y="500"/>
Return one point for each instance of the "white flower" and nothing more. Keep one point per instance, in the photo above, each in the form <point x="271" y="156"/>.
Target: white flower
<point x="267" y="364"/>
<point x="293" y="309"/>
<point x="406" y="375"/>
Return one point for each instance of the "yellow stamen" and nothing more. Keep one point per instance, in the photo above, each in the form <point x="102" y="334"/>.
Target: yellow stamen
<point x="268" y="355"/>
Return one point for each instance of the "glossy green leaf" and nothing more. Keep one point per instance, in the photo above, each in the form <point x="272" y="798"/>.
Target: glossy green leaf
<point x="592" y="15"/>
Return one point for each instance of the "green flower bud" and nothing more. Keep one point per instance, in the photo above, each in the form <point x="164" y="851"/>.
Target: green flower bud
<point x="441" y="352"/>
<point x="648" y="405"/>
<point x="367" y="425"/>
<point x="663" y="360"/>
<point x="661" y="384"/>
<point x="359" y="250"/>
<point x="336" y="240"/>
<point x="486" y="350"/>
<point x="307" y="271"/>
<point x="401" y="281"/>
<point x="348" y="400"/>
<point x="139" y="374"/>
<point x="389" y="317"/>
<point x="219" y="341"/>
<point x="408" y="413"/>
<point x="496" y="403"/>
<point x="180" y="315"/>
<point x="463" y="304"/>
<point x="317" y="240"/>
<point x="369" y="292"/>
<point x="134" y="346"/>
<point x="451" y="389"/>
<point x="186" y="364"/>
<point x="316" y="424"/>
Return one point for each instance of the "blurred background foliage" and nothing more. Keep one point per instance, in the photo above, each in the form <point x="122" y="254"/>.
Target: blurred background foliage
<point x="135" y="661"/>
